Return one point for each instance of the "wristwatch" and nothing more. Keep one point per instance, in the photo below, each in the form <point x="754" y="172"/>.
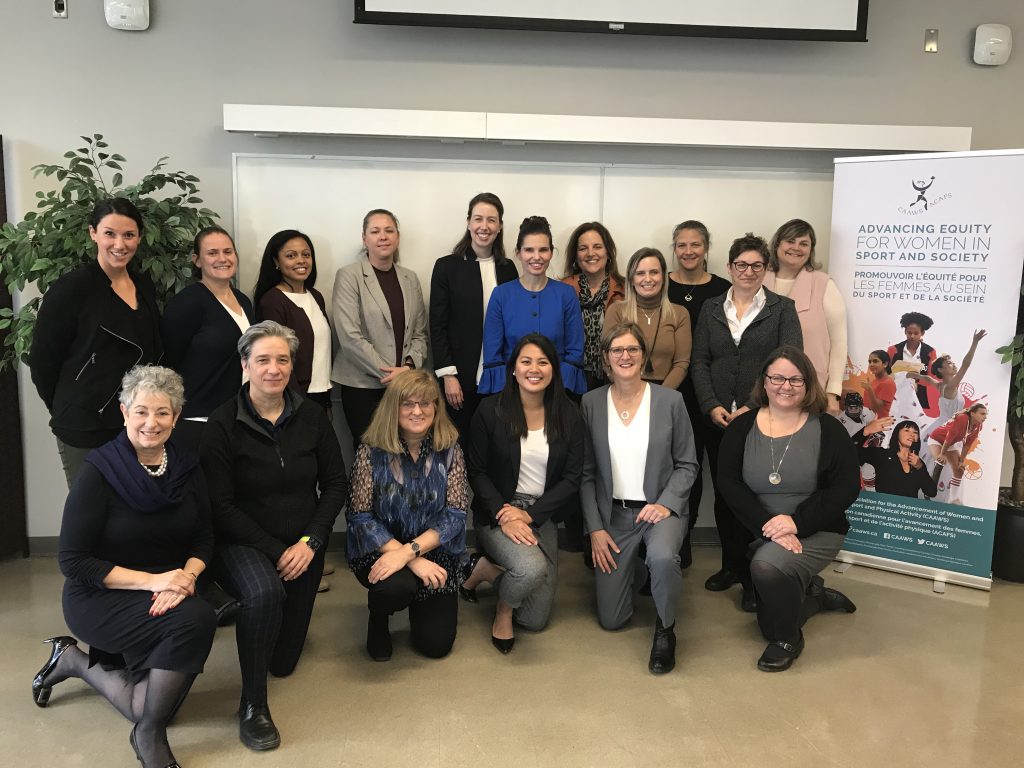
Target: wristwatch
<point x="415" y="548"/>
<point x="312" y="543"/>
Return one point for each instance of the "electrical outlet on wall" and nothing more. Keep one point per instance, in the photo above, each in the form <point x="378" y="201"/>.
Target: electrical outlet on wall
<point x="60" y="9"/>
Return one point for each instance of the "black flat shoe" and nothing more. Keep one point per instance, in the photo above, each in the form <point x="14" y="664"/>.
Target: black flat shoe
<point x="256" y="729"/>
<point x="138" y="756"/>
<point x="779" y="656"/>
<point x="503" y="645"/>
<point x="721" y="581"/>
<point x="834" y="600"/>
<point x="663" y="650"/>
<point x="41" y="691"/>
<point x="748" y="600"/>
<point x="469" y="595"/>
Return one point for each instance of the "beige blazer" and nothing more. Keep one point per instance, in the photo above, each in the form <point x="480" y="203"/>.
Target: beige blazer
<point x="362" y="321"/>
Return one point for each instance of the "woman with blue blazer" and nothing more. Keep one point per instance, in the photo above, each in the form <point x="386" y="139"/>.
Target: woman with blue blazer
<point x="638" y="468"/>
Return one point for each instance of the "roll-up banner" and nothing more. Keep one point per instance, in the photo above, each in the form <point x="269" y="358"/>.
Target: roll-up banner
<point x="927" y="251"/>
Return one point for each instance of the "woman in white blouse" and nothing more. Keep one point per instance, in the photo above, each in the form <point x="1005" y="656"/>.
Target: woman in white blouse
<point x="637" y="473"/>
<point x="525" y="462"/>
<point x="285" y="294"/>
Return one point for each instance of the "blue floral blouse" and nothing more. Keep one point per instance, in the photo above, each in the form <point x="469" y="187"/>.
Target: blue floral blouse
<point x="394" y="497"/>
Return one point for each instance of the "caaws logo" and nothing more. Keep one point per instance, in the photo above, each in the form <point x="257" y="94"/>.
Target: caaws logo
<point x="922" y="202"/>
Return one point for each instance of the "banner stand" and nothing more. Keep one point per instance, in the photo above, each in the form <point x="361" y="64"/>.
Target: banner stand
<point x="938" y="576"/>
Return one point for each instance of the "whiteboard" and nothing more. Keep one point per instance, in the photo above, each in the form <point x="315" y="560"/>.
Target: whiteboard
<point x="327" y="197"/>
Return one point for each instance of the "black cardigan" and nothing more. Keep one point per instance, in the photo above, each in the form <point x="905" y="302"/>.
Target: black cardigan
<point x="277" y="307"/>
<point x="493" y="461"/>
<point x="823" y="510"/>
<point x="83" y="345"/>
<point x="889" y="475"/>
<point x="723" y="372"/>
<point x="267" y="493"/>
<point x="201" y="343"/>
<point x="457" y="314"/>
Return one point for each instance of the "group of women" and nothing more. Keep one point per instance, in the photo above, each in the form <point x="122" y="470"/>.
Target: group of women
<point x="585" y="422"/>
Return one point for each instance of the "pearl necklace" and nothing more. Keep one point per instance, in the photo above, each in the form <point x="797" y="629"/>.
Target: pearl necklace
<point x="159" y="471"/>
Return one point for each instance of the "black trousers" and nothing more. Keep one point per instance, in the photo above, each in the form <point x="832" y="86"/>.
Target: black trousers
<point x="734" y="536"/>
<point x="699" y="425"/>
<point x="273" y="615"/>
<point x="433" y="622"/>
<point x="359" y="406"/>
<point x="463" y="417"/>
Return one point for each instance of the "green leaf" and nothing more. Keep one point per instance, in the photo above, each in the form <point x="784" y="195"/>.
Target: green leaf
<point x="117" y="180"/>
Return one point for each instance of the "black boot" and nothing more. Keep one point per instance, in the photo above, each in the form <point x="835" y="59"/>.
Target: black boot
<point x="378" y="637"/>
<point x="663" y="649"/>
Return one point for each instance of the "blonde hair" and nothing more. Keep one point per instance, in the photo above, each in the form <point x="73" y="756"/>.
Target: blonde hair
<point x="629" y="305"/>
<point x="414" y="384"/>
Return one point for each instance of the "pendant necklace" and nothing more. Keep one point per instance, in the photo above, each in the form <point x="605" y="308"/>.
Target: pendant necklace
<point x="624" y="413"/>
<point x="775" y="478"/>
<point x="648" y="316"/>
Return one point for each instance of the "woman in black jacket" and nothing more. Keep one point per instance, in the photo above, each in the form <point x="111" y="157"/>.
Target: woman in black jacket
<point x="95" y="324"/>
<point x="277" y="483"/>
<point x="735" y="333"/>
<point x="201" y="326"/>
<point x="525" y="465"/>
<point x="789" y="472"/>
<point x="460" y="288"/>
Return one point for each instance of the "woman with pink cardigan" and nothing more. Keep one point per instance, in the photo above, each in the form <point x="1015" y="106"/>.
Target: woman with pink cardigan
<point x="793" y="272"/>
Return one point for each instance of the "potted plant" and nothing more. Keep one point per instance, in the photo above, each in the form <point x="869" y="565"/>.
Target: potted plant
<point x="54" y="240"/>
<point x="1008" y="549"/>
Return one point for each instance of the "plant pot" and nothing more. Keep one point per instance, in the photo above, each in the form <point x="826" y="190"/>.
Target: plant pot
<point x="1008" y="549"/>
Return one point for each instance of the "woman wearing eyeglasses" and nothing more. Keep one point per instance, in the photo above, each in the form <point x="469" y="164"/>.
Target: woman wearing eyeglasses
<point x="735" y="334"/>
<point x="789" y="474"/>
<point x="638" y="467"/>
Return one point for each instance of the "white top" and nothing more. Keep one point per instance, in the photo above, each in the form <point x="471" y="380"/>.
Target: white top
<point x="627" y="448"/>
<point x="737" y="325"/>
<point x="243" y="325"/>
<point x="320" y="381"/>
<point x="533" y="463"/>
<point x="489" y="280"/>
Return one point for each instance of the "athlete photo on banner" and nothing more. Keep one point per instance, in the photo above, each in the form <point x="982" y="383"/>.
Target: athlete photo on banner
<point x="927" y="251"/>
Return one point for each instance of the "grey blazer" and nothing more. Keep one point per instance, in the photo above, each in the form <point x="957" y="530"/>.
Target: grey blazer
<point x="362" y="321"/>
<point x="671" y="465"/>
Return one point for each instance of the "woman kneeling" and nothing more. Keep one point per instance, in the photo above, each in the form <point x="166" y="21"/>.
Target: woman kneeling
<point x="790" y="474"/>
<point x="407" y="516"/>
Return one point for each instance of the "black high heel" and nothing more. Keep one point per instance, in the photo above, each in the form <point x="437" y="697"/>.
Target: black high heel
<point x="41" y="691"/>
<point x="504" y="645"/>
<point x="469" y="595"/>
<point x="138" y="755"/>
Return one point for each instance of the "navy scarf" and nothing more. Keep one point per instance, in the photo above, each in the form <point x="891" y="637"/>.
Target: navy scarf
<point x="119" y="465"/>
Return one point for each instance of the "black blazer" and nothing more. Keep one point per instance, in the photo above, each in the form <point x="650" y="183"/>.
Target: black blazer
<point x="493" y="462"/>
<point x="457" y="314"/>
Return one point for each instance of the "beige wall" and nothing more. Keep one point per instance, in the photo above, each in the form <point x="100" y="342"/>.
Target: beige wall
<point x="160" y="93"/>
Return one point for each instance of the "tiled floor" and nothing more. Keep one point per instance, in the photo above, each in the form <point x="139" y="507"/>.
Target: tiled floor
<point x="911" y="679"/>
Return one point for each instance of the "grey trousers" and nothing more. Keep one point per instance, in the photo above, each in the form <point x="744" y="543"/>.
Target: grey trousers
<point x="71" y="459"/>
<point x="820" y="549"/>
<point x="615" y="590"/>
<point x="531" y="573"/>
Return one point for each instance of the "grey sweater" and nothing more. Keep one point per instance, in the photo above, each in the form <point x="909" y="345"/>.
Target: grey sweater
<point x="724" y="372"/>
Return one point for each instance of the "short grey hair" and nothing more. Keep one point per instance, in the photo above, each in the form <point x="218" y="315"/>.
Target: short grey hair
<point x="152" y="379"/>
<point x="263" y="330"/>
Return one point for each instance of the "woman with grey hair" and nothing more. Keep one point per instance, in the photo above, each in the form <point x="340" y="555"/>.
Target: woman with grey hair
<point x="135" y="537"/>
<point x="277" y="483"/>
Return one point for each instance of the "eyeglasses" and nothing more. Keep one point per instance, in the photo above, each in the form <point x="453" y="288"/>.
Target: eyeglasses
<point x="743" y="266"/>
<point x="620" y="351"/>
<point x="796" y="382"/>
<point x="411" y="405"/>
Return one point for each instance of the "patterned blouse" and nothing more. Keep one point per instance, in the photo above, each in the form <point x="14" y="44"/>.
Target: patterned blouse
<point x="394" y="497"/>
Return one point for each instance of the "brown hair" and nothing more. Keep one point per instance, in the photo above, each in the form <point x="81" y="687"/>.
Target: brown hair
<point x="621" y="329"/>
<point x="814" y="396"/>
<point x="791" y="230"/>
